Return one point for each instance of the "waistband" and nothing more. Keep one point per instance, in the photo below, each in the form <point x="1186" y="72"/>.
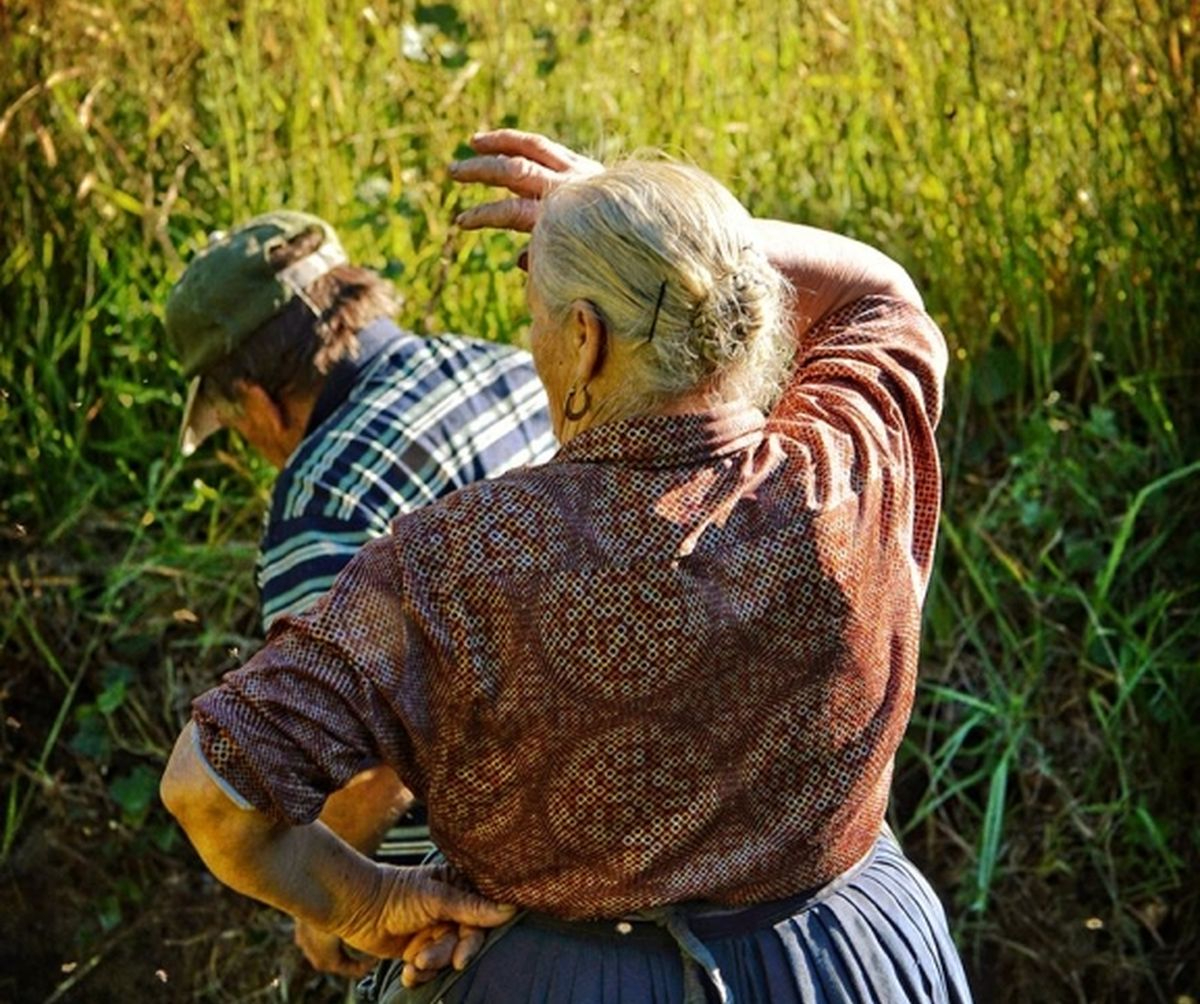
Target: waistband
<point x="685" y="926"/>
<point x="705" y="920"/>
<point x="680" y="927"/>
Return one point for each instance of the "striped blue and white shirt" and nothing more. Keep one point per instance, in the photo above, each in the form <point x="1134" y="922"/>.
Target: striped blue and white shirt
<point x="407" y="421"/>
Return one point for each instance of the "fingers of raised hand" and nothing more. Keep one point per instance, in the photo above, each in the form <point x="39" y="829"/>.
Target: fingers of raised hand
<point x="519" y="175"/>
<point x="528" y="165"/>
<point x="517" y="143"/>
<point x="507" y="214"/>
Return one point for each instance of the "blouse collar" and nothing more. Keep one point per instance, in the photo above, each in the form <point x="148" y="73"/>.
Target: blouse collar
<point x="669" y="440"/>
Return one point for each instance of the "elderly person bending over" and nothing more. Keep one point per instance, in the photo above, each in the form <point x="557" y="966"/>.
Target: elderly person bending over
<point x="651" y="691"/>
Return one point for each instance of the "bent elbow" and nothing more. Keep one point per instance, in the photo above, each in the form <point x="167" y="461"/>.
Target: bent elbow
<point x="177" y="788"/>
<point x="900" y="285"/>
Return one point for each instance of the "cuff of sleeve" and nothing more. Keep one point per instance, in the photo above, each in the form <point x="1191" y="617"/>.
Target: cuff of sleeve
<point x="230" y="792"/>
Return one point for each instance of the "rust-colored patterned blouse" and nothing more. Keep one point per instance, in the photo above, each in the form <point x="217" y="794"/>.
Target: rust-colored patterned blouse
<point x="673" y="663"/>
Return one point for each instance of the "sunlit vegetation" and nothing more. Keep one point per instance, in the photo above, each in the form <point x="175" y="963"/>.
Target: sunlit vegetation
<point x="1035" y="165"/>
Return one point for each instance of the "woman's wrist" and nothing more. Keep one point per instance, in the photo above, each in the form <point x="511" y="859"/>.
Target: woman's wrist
<point x="306" y="871"/>
<point x="357" y="897"/>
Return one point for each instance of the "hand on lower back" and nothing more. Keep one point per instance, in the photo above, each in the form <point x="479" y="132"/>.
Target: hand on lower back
<point x="409" y="900"/>
<point x="443" y="944"/>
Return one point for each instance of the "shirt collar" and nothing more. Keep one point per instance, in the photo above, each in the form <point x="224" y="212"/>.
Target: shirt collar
<point x="669" y="440"/>
<point x="372" y="340"/>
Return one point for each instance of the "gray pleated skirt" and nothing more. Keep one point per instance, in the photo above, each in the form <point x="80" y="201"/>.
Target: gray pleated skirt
<point x="876" y="934"/>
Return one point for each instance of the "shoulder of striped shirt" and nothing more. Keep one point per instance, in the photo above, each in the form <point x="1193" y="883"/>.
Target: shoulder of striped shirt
<point x="379" y="381"/>
<point x="294" y="601"/>
<point x="287" y="560"/>
<point x="376" y="387"/>
<point x="448" y="342"/>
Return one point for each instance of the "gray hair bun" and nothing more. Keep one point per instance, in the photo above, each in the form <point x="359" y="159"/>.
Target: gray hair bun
<point x="735" y="308"/>
<point x="667" y="256"/>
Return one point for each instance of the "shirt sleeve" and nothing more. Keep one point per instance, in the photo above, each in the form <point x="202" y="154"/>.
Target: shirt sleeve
<point x="321" y="701"/>
<point x="863" y="402"/>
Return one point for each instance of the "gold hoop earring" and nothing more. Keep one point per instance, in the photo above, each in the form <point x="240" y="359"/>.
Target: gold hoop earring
<point x="569" y="413"/>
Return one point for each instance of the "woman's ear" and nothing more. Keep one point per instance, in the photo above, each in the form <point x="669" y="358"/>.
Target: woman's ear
<point x="590" y="335"/>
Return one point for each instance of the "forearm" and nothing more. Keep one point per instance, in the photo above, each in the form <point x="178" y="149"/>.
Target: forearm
<point x="828" y="271"/>
<point x="311" y="873"/>
<point x="307" y="871"/>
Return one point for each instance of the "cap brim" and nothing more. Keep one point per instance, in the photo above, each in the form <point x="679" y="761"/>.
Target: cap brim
<point x="200" y="418"/>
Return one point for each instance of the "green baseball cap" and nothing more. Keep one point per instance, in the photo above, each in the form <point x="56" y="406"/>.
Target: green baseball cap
<point x="228" y="291"/>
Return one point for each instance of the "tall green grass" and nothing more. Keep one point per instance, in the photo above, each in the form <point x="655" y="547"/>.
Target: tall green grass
<point x="1034" y="165"/>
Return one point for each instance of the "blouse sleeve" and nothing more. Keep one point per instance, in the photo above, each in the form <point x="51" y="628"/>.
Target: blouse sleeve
<point x="863" y="401"/>
<point x="309" y="710"/>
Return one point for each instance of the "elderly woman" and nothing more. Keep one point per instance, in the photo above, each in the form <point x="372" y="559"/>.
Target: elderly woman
<point x="651" y="691"/>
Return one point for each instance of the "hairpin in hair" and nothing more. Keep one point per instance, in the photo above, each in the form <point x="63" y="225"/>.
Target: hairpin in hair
<point x="662" y="292"/>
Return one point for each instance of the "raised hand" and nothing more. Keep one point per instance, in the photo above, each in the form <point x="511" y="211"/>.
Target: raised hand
<point x="528" y="165"/>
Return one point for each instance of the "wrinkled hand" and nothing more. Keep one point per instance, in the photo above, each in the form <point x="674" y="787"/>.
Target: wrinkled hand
<point x="436" y="947"/>
<point x="528" y="165"/>
<point x="406" y="902"/>
<point x="327" y="953"/>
